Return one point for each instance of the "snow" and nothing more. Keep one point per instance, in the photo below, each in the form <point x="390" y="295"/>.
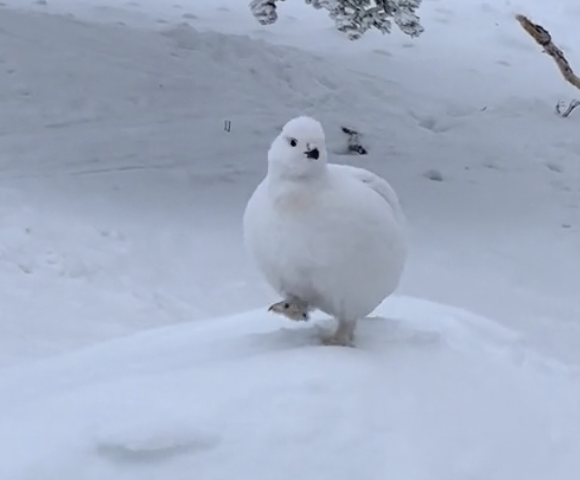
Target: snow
<point x="134" y="342"/>
<point x="219" y="397"/>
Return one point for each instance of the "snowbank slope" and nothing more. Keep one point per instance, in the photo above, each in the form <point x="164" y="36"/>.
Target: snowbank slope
<point x="432" y="392"/>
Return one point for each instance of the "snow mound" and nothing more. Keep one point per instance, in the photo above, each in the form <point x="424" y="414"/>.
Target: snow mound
<point x="431" y="392"/>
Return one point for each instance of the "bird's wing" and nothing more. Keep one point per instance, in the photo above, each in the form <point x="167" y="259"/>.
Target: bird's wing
<point x="379" y="185"/>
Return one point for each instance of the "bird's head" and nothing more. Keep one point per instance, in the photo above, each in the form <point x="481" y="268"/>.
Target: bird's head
<point x="300" y="149"/>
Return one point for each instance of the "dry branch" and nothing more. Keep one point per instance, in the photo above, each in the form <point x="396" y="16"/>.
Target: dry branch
<point x="569" y="109"/>
<point x="544" y="39"/>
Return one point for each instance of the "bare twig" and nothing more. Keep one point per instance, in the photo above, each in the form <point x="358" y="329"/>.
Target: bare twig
<point x="544" y="39"/>
<point x="569" y="109"/>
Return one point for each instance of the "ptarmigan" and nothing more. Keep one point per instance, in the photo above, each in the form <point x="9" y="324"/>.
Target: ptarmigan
<point x="325" y="236"/>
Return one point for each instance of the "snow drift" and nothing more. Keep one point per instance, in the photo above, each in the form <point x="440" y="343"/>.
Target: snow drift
<point x="432" y="392"/>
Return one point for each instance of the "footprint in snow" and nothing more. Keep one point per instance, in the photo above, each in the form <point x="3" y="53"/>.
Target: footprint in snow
<point x="153" y="445"/>
<point x="434" y="175"/>
<point x="554" y="167"/>
<point x="380" y="51"/>
<point x="433" y="124"/>
<point x="443" y="20"/>
<point x="136" y="454"/>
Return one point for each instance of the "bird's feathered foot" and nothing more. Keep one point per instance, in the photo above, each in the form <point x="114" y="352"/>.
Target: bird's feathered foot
<point x="295" y="310"/>
<point x="343" y="336"/>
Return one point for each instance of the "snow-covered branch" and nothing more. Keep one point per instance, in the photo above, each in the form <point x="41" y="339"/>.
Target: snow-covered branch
<point x="355" y="17"/>
<point x="544" y="39"/>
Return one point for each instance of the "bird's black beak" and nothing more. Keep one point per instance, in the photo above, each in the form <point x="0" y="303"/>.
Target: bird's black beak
<point x="314" y="154"/>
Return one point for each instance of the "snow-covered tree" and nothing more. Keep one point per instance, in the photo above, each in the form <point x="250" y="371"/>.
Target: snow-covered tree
<point x="355" y="17"/>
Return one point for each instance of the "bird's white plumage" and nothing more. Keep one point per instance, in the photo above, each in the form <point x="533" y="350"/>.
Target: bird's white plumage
<point x="329" y="235"/>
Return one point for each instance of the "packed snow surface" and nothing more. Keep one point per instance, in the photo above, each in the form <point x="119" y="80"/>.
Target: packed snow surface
<point x="132" y="135"/>
<point x="431" y="392"/>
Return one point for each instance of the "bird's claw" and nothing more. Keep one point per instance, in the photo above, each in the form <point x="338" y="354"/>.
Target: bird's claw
<point x="338" y="341"/>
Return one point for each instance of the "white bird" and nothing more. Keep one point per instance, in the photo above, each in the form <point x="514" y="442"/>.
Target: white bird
<point x="325" y="236"/>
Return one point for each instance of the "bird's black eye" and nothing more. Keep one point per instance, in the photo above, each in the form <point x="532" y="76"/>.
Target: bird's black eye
<point x="286" y="306"/>
<point x="293" y="142"/>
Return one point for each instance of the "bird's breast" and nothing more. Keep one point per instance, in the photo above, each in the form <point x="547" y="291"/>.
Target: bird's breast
<point x="292" y="202"/>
